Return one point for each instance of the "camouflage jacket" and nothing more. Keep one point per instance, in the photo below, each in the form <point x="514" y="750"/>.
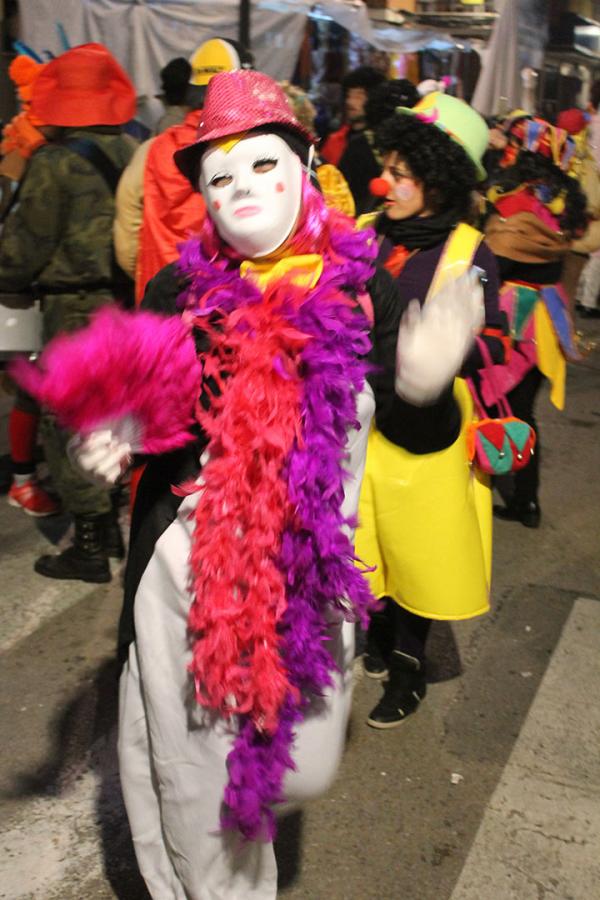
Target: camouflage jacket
<point x="59" y="232"/>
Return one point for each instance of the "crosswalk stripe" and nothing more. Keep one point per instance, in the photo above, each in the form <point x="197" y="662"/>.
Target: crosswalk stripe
<point x="540" y="834"/>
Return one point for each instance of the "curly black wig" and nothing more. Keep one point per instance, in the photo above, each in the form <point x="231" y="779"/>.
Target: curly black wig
<point x="448" y="175"/>
<point x="534" y="169"/>
<point x="364" y="77"/>
<point x="383" y="100"/>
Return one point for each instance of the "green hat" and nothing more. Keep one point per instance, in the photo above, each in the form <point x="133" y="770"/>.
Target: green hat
<point x="460" y="122"/>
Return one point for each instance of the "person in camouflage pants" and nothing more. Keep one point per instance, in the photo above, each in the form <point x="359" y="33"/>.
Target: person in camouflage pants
<point x="58" y="238"/>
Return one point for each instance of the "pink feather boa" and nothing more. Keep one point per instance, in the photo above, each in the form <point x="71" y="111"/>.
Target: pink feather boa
<point x="137" y="365"/>
<point x="242" y="512"/>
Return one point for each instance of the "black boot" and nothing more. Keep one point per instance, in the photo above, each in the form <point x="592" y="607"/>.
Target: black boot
<point x="401" y="694"/>
<point x="113" y="539"/>
<point x="85" y="560"/>
<point x="380" y="641"/>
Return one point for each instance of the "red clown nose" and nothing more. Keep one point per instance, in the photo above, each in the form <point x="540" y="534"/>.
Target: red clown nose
<point x="379" y="187"/>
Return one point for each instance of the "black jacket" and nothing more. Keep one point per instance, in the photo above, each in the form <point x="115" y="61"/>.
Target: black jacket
<point x="417" y="429"/>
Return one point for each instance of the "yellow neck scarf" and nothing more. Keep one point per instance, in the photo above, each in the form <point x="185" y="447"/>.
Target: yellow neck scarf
<point x="302" y="271"/>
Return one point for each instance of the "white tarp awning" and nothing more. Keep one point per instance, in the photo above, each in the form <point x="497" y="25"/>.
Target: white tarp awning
<point x="145" y="34"/>
<point x="499" y="84"/>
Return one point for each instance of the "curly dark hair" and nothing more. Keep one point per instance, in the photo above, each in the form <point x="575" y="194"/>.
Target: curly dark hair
<point x="364" y="77"/>
<point x="174" y="79"/>
<point x="383" y="100"/>
<point x="448" y="175"/>
<point x="532" y="168"/>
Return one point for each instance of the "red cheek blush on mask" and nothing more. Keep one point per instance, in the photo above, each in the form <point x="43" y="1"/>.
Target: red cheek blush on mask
<point x="216" y="205"/>
<point x="280" y="187"/>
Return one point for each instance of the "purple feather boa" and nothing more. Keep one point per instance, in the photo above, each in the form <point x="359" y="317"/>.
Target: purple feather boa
<point x="316" y="553"/>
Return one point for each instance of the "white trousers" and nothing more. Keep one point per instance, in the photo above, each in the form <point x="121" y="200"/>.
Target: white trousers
<point x="172" y="754"/>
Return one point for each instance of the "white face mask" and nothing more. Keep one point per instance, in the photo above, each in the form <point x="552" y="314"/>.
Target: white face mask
<point x="253" y="192"/>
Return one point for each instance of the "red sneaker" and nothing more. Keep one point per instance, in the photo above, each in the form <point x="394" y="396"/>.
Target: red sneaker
<point x="33" y="499"/>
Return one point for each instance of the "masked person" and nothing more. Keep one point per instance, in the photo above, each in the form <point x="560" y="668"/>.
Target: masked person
<point x="425" y="516"/>
<point x="241" y="584"/>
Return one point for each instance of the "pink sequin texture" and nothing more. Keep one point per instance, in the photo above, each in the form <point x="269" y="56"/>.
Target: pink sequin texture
<point x="236" y="102"/>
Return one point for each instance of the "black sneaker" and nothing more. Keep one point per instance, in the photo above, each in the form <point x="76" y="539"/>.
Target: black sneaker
<point x="375" y="666"/>
<point x="402" y="694"/>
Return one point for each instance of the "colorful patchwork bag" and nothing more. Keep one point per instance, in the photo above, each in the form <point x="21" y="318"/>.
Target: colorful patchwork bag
<point x="501" y="445"/>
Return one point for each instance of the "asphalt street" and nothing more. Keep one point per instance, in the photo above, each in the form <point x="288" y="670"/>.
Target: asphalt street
<point x="490" y="792"/>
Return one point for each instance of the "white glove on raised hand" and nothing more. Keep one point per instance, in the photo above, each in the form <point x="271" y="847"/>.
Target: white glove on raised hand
<point x="102" y="456"/>
<point x="434" y="340"/>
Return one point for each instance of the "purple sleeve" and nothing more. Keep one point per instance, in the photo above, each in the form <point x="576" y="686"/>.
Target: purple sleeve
<point x="494" y="317"/>
<point x="485" y="259"/>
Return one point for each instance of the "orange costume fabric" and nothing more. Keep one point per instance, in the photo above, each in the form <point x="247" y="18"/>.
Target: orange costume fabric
<point x="334" y="146"/>
<point x="173" y="212"/>
<point x="21" y="136"/>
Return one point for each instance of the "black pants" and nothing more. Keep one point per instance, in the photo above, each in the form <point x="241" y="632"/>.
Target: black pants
<point x="395" y="628"/>
<point x="410" y="632"/>
<point x="522" y="401"/>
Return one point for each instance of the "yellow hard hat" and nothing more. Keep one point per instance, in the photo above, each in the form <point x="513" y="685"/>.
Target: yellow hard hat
<point x="214" y="56"/>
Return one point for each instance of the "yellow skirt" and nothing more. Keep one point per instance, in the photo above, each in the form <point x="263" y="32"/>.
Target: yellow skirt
<point x="425" y="522"/>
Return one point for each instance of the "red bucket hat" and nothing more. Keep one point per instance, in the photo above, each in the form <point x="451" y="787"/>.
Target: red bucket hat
<point x="239" y="101"/>
<point x="84" y="86"/>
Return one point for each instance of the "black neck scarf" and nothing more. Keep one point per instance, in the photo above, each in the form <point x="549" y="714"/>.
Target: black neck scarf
<point x="418" y="232"/>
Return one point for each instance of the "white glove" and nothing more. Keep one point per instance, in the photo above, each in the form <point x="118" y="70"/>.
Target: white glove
<point x="102" y="456"/>
<point x="434" y="340"/>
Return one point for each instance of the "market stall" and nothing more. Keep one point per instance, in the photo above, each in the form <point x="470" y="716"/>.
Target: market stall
<point x="145" y="34"/>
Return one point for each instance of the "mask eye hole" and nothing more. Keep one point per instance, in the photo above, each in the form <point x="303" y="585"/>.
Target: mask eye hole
<point x="265" y="164"/>
<point x="220" y="181"/>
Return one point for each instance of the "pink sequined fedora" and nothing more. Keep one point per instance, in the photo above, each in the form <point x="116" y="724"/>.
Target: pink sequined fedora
<point x="239" y="101"/>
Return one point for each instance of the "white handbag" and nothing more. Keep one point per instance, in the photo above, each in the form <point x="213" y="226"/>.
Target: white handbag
<point x="20" y="324"/>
